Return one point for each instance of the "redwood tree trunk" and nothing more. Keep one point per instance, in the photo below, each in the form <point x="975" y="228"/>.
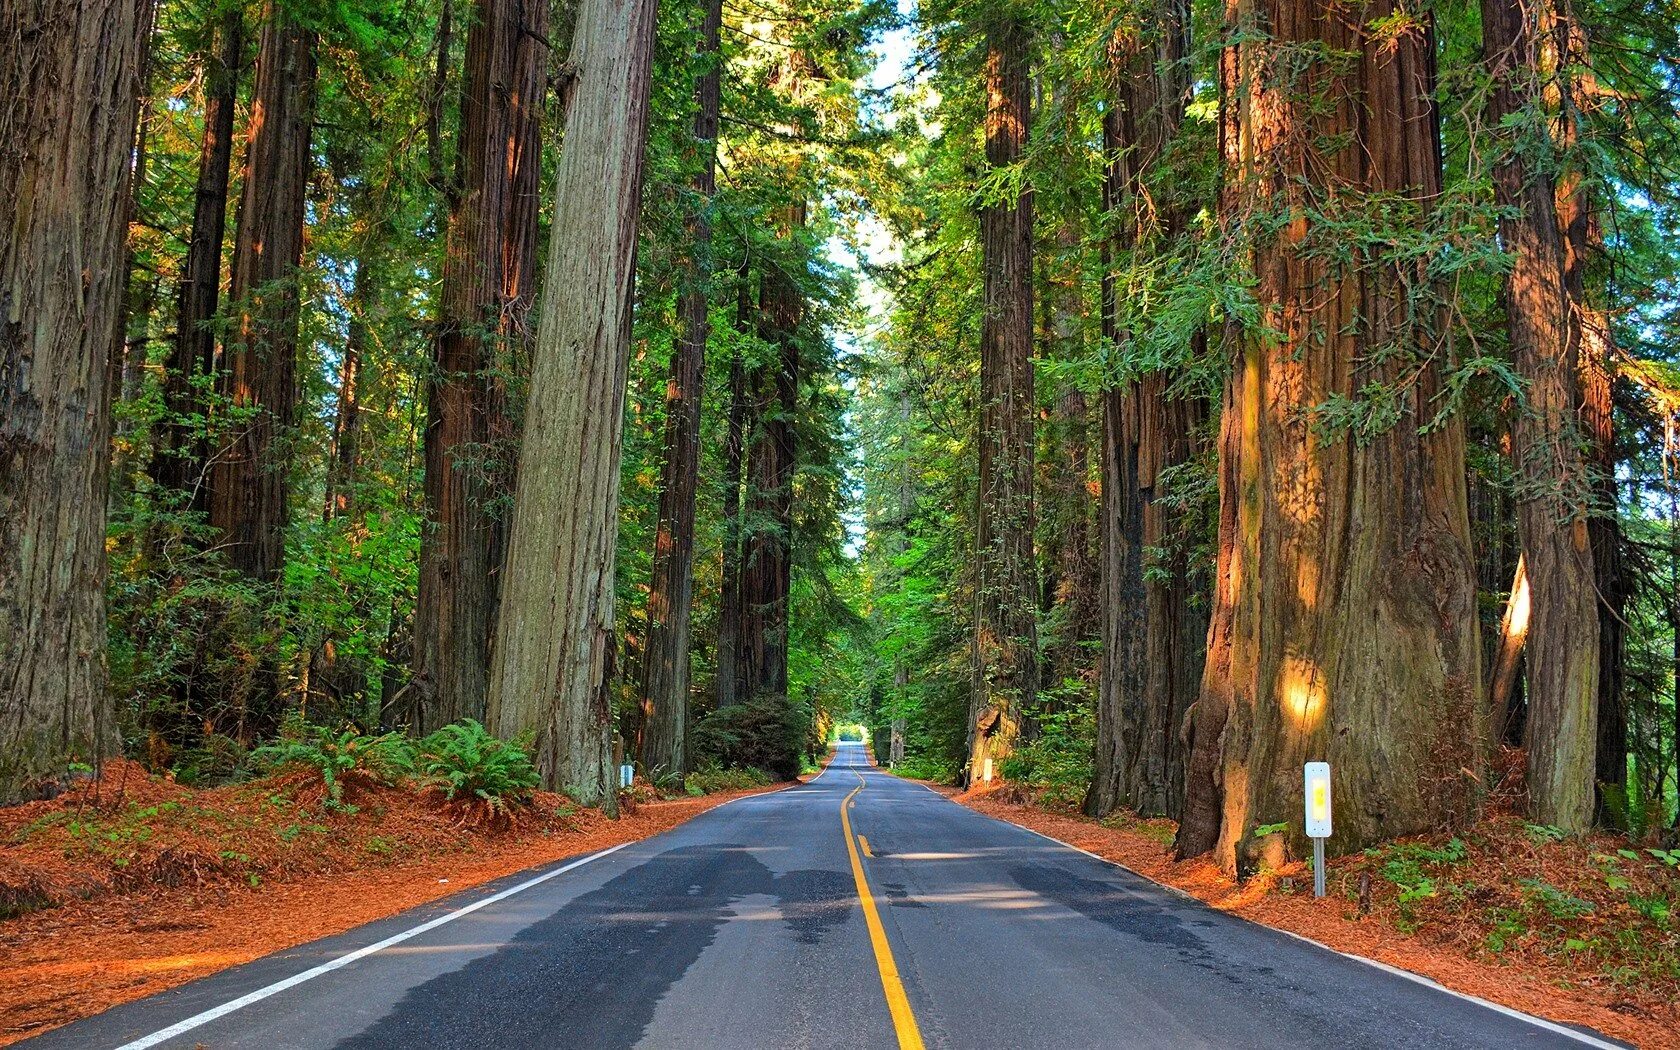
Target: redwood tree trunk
<point x="767" y="564"/>
<point x="740" y="423"/>
<point x="552" y="671"/>
<point x="179" y="464"/>
<point x="1563" y="633"/>
<point x="248" y="478"/>
<point x="1005" y="669"/>
<point x="1152" y="637"/>
<point x="665" y="665"/>
<point x="489" y="281"/>
<point x="66" y="132"/>
<point x="1344" y="626"/>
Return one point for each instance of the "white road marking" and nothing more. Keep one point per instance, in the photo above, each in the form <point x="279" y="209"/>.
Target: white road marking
<point x="1538" y="1022"/>
<point x="201" y="1019"/>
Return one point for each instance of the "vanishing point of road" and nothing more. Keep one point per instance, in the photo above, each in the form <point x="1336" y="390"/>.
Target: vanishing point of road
<point x="858" y="910"/>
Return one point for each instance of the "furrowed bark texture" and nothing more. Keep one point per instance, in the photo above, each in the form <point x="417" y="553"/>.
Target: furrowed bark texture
<point x="259" y="360"/>
<point x="1344" y="627"/>
<point x="665" y="667"/>
<point x="767" y="565"/>
<point x="1563" y="631"/>
<point x="489" y="281"/>
<point x="1005" y="662"/>
<point x="1595" y="364"/>
<point x="1151" y="663"/>
<point x="69" y="74"/>
<point x="552" y="671"/>
<point x="739" y="424"/>
<point x="179" y="465"/>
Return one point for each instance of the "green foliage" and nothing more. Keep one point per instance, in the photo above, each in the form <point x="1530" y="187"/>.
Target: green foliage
<point x="1415" y="868"/>
<point x="463" y="759"/>
<point x="711" y="780"/>
<point x="338" y="756"/>
<point x="1057" y="763"/>
<point x="763" y="733"/>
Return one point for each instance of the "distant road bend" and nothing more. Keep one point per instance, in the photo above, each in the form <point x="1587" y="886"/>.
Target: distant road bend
<point x="858" y="910"/>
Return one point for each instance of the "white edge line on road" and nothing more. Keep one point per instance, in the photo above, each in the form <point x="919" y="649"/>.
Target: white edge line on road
<point x="200" y="1019"/>
<point x="197" y="1020"/>
<point x="1415" y="978"/>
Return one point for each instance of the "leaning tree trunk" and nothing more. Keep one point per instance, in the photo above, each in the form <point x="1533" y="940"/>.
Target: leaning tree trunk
<point x="179" y="463"/>
<point x="552" y="668"/>
<point x="1152" y="636"/>
<point x="665" y="665"/>
<point x="1344" y="626"/>
<point x="1005" y="658"/>
<point x="1563" y="633"/>
<point x="248" y="478"/>
<point x="66" y="131"/>
<point x="489" y="281"/>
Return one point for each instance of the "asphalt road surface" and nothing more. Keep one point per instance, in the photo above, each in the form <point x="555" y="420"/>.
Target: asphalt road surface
<point x="790" y="920"/>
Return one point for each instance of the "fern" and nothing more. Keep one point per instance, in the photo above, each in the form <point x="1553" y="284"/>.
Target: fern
<point x="463" y="759"/>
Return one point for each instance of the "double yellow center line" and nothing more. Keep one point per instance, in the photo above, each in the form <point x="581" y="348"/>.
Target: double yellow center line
<point x="898" y="1004"/>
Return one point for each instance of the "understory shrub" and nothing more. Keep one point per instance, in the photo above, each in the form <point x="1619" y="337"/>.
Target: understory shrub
<point x="337" y="755"/>
<point x="465" y="760"/>
<point x="764" y="733"/>
<point x="713" y="779"/>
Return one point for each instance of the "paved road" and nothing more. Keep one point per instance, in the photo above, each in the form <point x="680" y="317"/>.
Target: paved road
<point x="746" y="927"/>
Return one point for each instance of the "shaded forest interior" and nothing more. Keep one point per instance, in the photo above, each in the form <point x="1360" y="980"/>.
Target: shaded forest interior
<point x="1140" y="397"/>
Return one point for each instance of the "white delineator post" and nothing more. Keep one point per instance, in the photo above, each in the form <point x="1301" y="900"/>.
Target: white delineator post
<point x="987" y="775"/>
<point x="1317" y="775"/>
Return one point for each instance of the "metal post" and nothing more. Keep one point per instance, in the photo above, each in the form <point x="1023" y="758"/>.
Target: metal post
<point x="1318" y="867"/>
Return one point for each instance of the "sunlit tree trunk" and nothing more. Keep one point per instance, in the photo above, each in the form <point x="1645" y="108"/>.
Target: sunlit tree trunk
<point x="179" y="464"/>
<point x="552" y="669"/>
<point x="489" y="283"/>
<point x="671" y="590"/>
<point x="1005" y="668"/>
<point x="66" y="135"/>
<point x="1563" y="633"/>
<point x="248" y="477"/>
<point x="1151" y="661"/>
<point x="1344" y="624"/>
<point x="345" y="455"/>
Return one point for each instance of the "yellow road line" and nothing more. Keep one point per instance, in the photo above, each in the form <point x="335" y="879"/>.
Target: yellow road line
<point x="898" y="1004"/>
<point x="867" y="852"/>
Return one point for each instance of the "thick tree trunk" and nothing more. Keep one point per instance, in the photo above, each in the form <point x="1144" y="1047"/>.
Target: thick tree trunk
<point x="665" y="666"/>
<point x="1507" y="659"/>
<point x="66" y="132"/>
<point x="1344" y="626"/>
<point x="1595" y="364"/>
<point x="489" y="283"/>
<point x="1152" y="638"/>
<point x="1005" y="661"/>
<point x="1563" y="635"/>
<point x="552" y="668"/>
<point x="767" y="570"/>
<point x="179" y="464"/>
<point x="248" y="478"/>
<point x="740" y="423"/>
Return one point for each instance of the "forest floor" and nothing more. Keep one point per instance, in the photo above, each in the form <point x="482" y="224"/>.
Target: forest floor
<point x="132" y="884"/>
<point x="1583" y="932"/>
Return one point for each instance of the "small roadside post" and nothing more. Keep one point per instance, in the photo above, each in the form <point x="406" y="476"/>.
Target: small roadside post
<point x="987" y="774"/>
<point x="1318" y="817"/>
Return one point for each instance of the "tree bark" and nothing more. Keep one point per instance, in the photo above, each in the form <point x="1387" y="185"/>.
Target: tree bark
<point x="1344" y="626"/>
<point x="489" y="282"/>
<point x="179" y="464"/>
<point x="740" y="423"/>
<point x="346" y="453"/>
<point x="1507" y="660"/>
<point x="66" y="132"/>
<point x="1563" y="636"/>
<point x="1005" y="659"/>
<point x="1595" y="364"/>
<point x="671" y="590"/>
<point x="1152" y="638"/>
<point x="248" y="506"/>
<point x="767" y="564"/>
<point x="552" y="671"/>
